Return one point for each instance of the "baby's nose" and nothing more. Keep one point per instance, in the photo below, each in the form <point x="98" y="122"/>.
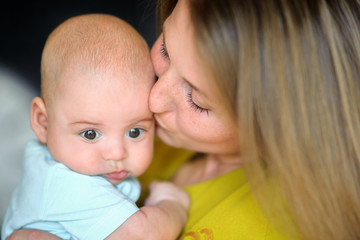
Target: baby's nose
<point x="115" y="151"/>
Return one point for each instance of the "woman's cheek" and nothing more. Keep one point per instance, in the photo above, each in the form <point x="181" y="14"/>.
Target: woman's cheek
<point x="190" y="124"/>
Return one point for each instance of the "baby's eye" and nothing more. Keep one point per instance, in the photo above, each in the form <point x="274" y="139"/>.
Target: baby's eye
<point x="135" y="132"/>
<point x="90" y="134"/>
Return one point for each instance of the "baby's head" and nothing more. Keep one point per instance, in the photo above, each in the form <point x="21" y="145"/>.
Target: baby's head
<point x="93" y="115"/>
<point x="91" y="44"/>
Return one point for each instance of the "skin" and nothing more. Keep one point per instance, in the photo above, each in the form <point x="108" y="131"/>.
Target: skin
<point x="105" y="134"/>
<point x="189" y="113"/>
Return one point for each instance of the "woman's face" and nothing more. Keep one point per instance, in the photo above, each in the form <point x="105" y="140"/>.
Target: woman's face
<point x="188" y="110"/>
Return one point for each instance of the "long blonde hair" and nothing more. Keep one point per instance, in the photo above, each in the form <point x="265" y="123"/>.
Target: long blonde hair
<point x="289" y="72"/>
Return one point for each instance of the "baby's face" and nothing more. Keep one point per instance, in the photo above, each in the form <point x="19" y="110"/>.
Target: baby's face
<point x="100" y="124"/>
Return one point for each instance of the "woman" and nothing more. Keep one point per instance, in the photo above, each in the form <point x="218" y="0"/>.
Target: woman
<point x="271" y="87"/>
<point x="287" y="73"/>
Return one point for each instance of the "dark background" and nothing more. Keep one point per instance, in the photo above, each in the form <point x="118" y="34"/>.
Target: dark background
<point x="25" y="26"/>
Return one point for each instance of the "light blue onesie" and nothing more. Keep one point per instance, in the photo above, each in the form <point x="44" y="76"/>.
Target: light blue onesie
<point x="70" y="205"/>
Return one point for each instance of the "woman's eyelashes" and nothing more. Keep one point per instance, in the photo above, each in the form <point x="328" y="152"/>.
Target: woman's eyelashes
<point x="163" y="50"/>
<point x="194" y="105"/>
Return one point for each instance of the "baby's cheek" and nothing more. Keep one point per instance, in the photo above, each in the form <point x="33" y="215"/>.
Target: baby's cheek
<point x="145" y="164"/>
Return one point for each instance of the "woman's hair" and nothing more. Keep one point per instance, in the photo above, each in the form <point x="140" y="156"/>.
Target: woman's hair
<point x="289" y="71"/>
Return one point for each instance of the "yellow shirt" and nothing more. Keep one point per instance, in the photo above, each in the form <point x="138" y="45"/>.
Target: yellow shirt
<point x="221" y="208"/>
<point x="224" y="208"/>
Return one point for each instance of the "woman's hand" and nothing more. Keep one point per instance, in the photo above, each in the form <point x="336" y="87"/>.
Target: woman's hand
<point x="31" y="234"/>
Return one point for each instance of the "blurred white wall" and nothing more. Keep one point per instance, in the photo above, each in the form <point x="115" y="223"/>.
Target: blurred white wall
<point x="15" y="99"/>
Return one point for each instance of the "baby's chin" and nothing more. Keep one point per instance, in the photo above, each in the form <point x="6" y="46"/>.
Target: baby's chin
<point x="114" y="182"/>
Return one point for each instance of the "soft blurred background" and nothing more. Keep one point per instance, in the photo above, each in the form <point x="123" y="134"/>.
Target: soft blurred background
<point x="24" y="28"/>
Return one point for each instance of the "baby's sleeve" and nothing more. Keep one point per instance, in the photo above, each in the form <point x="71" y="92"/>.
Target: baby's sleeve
<point x="131" y="188"/>
<point x="88" y="207"/>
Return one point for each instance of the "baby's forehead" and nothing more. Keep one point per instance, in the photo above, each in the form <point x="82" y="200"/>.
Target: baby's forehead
<point x="111" y="75"/>
<point x="85" y="88"/>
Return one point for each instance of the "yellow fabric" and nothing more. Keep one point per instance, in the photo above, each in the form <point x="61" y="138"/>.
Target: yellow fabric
<point x="222" y="208"/>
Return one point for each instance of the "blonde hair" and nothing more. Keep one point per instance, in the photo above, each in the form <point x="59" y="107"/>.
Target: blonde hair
<point x="90" y="43"/>
<point x="289" y="72"/>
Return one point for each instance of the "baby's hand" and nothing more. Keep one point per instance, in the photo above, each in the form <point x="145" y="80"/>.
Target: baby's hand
<point x="161" y="191"/>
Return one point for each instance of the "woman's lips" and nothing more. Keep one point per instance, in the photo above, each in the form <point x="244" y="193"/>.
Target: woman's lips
<point x="118" y="175"/>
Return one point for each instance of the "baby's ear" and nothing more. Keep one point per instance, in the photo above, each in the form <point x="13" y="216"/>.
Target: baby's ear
<point x="38" y="119"/>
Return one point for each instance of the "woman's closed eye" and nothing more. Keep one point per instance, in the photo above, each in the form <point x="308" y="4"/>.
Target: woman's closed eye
<point x="193" y="104"/>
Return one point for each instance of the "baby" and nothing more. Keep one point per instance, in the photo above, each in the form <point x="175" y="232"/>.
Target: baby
<point x="95" y="136"/>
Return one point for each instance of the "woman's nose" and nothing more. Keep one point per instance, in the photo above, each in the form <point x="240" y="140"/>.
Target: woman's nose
<point x="160" y="99"/>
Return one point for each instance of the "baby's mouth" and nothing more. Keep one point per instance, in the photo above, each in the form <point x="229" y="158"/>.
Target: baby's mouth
<point x="118" y="175"/>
